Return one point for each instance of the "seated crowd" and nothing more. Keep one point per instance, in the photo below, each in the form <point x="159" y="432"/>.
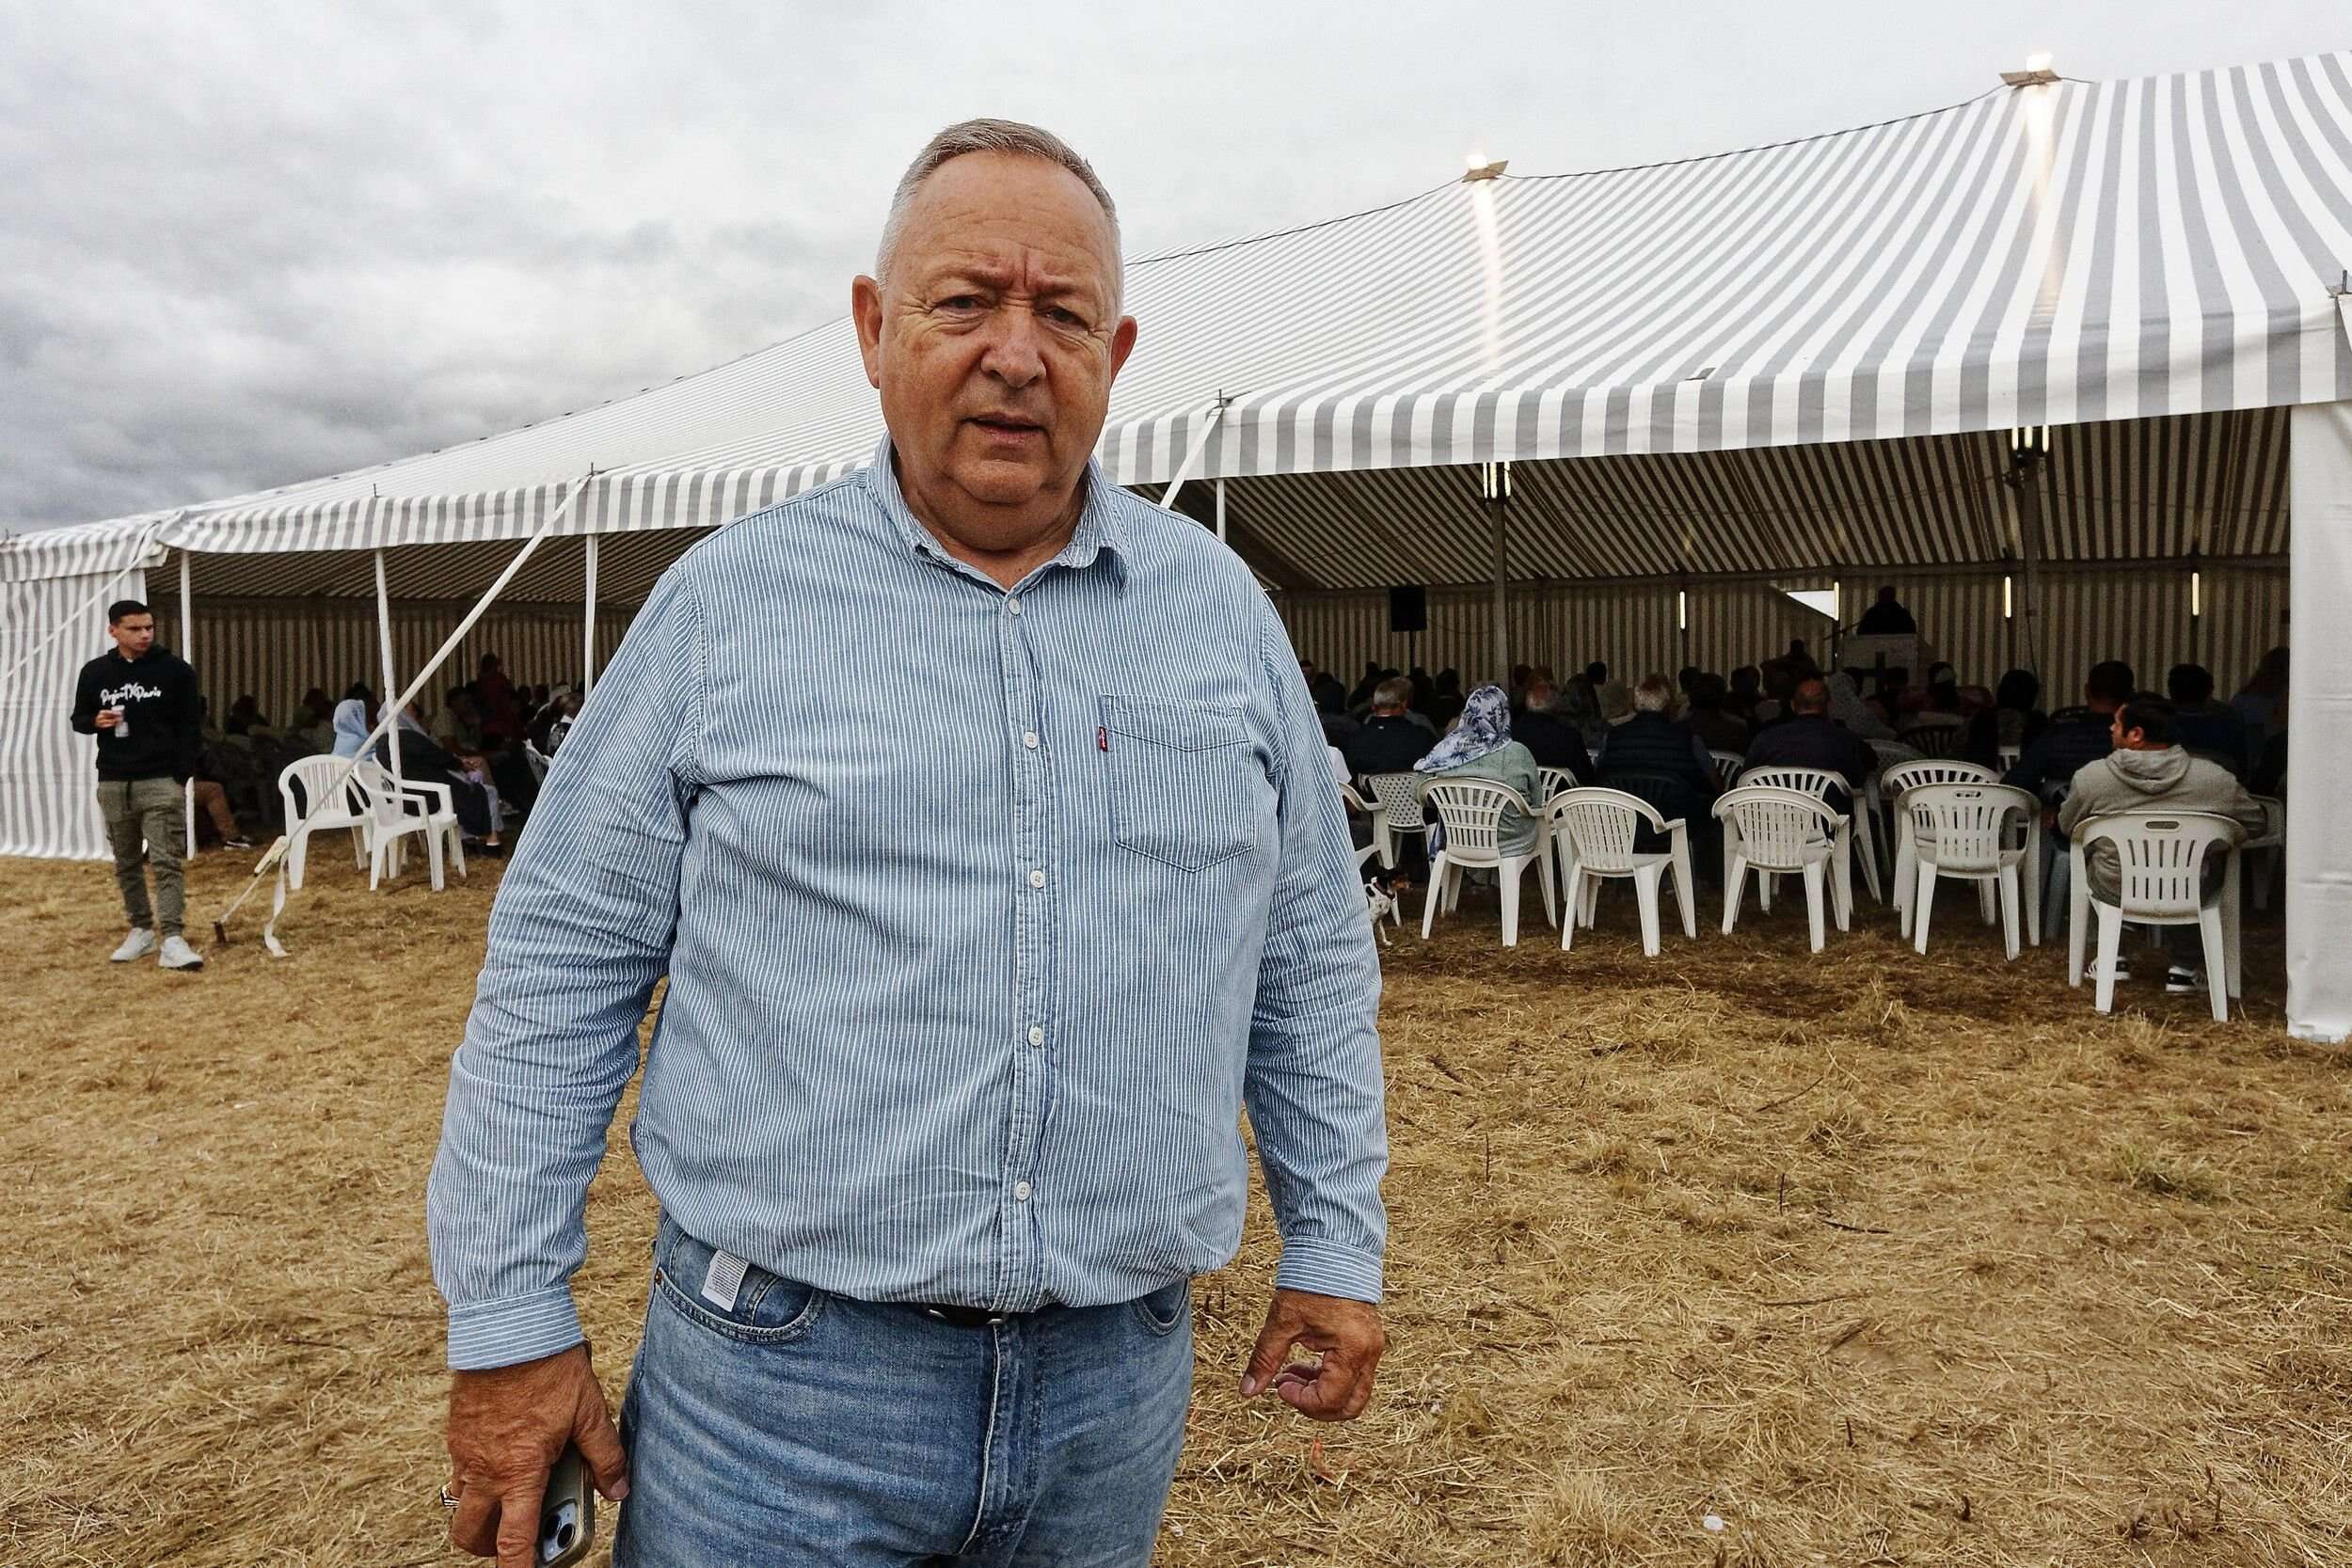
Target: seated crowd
<point x="1679" y="743"/>
<point x="486" y="741"/>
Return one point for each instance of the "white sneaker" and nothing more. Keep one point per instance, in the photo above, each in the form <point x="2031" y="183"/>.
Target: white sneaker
<point x="138" y="945"/>
<point x="2122" y="970"/>
<point x="179" y="954"/>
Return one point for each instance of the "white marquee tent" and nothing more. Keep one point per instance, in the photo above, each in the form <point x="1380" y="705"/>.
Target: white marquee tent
<point x="1598" y="411"/>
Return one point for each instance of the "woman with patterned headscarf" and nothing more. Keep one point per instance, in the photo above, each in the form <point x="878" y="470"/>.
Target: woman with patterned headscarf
<point x="1481" y="747"/>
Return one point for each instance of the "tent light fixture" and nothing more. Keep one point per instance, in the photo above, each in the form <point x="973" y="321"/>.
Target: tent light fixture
<point x="2038" y="72"/>
<point x="1479" y="169"/>
<point x="2196" y="594"/>
<point x="2008" y="598"/>
<point x="1682" y="609"/>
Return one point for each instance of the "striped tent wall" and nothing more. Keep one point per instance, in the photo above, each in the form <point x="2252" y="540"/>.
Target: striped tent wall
<point x="2087" y="614"/>
<point x="48" y="806"/>
<point x="277" y="649"/>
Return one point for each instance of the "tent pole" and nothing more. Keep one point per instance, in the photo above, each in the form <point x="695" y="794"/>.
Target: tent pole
<point x="1500" y="500"/>
<point x="2030" y="525"/>
<point x="588" y="634"/>
<point x="1192" y="457"/>
<point x="187" y="650"/>
<point x="1220" y="511"/>
<point x="383" y="648"/>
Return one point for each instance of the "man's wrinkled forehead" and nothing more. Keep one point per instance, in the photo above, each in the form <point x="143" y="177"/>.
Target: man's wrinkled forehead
<point x="997" y="211"/>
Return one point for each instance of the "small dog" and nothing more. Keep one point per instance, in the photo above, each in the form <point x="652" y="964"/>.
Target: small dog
<point x="1383" y="895"/>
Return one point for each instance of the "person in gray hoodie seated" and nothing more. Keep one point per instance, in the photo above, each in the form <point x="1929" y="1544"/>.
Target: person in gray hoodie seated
<point x="2149" y="772"/>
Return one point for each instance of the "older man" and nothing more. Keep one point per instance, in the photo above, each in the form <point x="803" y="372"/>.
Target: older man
<point x="943" y="1107"/>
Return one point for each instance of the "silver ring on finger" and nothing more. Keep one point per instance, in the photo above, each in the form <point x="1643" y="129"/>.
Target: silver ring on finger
<point x="449" y="1498"/>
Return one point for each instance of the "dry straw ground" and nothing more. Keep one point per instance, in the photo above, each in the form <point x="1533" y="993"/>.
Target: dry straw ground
<point x="1878" y="1261"/>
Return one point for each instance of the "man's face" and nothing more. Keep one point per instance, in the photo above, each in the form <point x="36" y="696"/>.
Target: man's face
<point x="994" y="344"/>
<point x="133" y="635"/>
<point x="2123" y="740"/>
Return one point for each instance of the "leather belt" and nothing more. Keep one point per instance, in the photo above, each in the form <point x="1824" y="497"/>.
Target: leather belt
<point x="976" y="1317"/>
<point x="963" y="1317"/>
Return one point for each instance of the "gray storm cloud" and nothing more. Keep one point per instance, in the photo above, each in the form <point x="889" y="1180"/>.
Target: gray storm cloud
<point x="246" y="244"/>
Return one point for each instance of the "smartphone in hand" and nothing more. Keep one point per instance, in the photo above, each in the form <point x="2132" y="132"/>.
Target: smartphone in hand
<point x="568" y="1514"/>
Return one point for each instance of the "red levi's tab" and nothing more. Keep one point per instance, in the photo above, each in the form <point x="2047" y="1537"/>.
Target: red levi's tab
<point x="1101" y="738"/>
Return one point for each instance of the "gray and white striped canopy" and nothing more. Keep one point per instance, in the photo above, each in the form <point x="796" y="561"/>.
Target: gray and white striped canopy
<point x="2070" y="254"/>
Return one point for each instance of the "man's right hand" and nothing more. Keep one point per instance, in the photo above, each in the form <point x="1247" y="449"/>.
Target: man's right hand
<point x="108" y="717"/>
<point x="507" y="1427"/>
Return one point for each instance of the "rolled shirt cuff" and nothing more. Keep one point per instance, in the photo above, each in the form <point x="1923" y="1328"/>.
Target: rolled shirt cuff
<point x="1328" y="1269"/>
<point x="488" y="1334"/>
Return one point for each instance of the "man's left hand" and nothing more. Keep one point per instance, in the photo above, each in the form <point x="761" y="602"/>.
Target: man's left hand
<point x="1347" y="1335"/>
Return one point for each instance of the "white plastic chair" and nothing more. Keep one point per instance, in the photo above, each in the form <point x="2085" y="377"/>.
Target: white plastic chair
<point x="2010" y="756"/>
<point x="1776" y="831"/>
<point x="1891" y="754"/>
<point x="536" y="760"/>
<point x="1727" y="766"/>
<point x="1979" y="833"/>
<point x="1821" y="781"/>
<point x="1471" y="812"/>
<point x="2161" y="862"/>
<point x="398" y="809"/>
<point x="1595" y="831"/>
<point x="1910" y="775"/>
<point x="317" y="776"/>
<point x="2272" y="843"/>
<point x="1399" y="796"/>
<point x="1554" y="779"/>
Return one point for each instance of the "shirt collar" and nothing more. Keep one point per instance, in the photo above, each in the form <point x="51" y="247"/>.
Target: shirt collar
<point x="1097" y="536"/>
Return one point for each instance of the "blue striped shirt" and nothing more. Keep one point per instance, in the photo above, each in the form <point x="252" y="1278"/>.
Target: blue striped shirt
<point x="984" y="915"/>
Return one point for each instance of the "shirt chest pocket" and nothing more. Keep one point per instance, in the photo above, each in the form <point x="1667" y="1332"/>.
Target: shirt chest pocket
<point x="1185" y="786"/>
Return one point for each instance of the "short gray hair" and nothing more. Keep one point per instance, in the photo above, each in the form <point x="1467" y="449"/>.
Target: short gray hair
<point x="991" y="135"/>
<point x="1653" y="694"/>
<point x="1397" y="691"/>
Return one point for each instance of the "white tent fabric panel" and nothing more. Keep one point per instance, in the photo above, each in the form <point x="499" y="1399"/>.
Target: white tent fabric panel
<point x="2075" y="253"/>
<point x="48" y="773"/>
<point x="2319" y="830"/>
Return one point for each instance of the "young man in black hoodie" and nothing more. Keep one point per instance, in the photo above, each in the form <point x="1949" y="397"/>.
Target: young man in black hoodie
<point x="141" y="703"/>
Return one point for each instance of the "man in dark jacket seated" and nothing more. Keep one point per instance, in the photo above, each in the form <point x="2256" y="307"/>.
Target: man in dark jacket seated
<point x="1654" y="757"/>
<point x="2061" y="751"/>
<point x="1538" y="728"/>
<point x="2202" y="726"/>
<point x="1811" y="738"/>
<point x="1389" y="741"/>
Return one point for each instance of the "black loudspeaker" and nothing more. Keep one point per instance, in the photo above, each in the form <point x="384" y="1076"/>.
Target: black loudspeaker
<point x="1409" y="608"/>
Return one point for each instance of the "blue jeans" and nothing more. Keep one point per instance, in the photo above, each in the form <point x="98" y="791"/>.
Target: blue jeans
<point x="804" y="1429"/>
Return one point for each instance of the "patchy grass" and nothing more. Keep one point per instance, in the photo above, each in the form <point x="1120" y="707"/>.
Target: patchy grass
<point x="1872" y="1258"/>
<point x="2152" y="1172"/>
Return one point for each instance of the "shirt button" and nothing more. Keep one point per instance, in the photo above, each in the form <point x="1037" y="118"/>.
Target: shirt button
<point x="1013" y="604"/>
<point x="1021" y="1191"/>
<point x="1028" y="738"/>
<point x="1037" y="879"/>
<point x="1037" y="1036"/>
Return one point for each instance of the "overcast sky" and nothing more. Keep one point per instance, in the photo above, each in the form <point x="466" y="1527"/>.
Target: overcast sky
<point x="246" y="243"/>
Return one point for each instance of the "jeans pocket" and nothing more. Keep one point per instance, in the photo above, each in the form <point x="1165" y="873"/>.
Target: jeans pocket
<point x="1163" y="1310"/>
<point x="762" y="1309"/>
<point x="1185" y="786"/>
